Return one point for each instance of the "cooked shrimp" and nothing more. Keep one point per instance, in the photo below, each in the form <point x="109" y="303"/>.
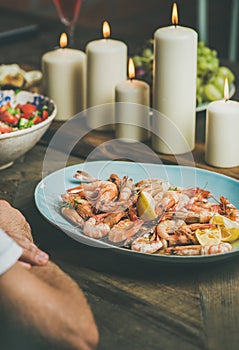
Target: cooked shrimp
<point x="174" y="200"/>
<point x="108" y="192"/>
<point x="126" y="188"/>
<point x="153" y="186"/>
<point x="100" y="225"/>
<point x="81" y="205"/>
<point x="167" y="227"/>
<point x="95" y="229"/>
<point x="115" y="179"/>
<point x="83" y="208"/>
<point x="148" y="243"/>
<point x="199" y="250"/>
<point x="72" y="215"/>
<point x="69" y="198"/>
<point x="97" y="192"/>
<point x="228" y="209"/>
<point x="197" y="193"/>
<point x="115" y="206"/>
<point x="84" y="176"/>
<point x="190" y="217"/>
<point x="123" y="230"/>
<point x="189" y="250"/>
<point x="177" y="232"/>
<point x="113" y="218"/>
<point x="224" y="247"/>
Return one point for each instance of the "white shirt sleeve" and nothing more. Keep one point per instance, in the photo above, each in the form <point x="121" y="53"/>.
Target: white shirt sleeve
<point x="10" y="252"/>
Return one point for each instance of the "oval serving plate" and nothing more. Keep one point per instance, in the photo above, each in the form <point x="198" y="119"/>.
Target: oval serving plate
<point x="48" y="196"/>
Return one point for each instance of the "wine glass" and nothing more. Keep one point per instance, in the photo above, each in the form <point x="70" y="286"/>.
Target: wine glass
<point x="68" y="11"/>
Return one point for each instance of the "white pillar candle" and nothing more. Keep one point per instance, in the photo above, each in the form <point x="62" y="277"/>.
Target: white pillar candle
<point x="132" y="115"/>
<point x="64" y="79"/>
<point x="222" y="141"/>
<point x="174" y="87"/>
<point x="106" y="67"/>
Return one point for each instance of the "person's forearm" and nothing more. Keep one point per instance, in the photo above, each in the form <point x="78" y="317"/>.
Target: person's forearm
<point x="48" y="307"/>
<point x="55" y="277"/>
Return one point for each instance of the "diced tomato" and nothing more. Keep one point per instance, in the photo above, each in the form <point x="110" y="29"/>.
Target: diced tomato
<point x="5" y="128"/>
<point x="7" y="117"/>
<point x="28" y="110"/>
<point x="44" y="114"/>
<point x="4" y="107"/>
<point x="37" y="119"/>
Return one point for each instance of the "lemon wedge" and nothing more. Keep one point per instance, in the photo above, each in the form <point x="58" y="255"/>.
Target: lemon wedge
<point x="209" y="236"/>
<point x="229" y="228"/>
<point x="146" y="206"/>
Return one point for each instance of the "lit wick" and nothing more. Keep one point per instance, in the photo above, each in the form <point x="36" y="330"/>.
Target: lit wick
<point x="106" y="30"/>
<point x="131" y="69"/>
<point x="175" y="14"/>
<point x="63" y="40"/>
<point x="226" y="90"/>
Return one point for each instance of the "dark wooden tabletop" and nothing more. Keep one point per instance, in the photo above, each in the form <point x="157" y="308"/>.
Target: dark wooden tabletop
<point x="137" y="304"/>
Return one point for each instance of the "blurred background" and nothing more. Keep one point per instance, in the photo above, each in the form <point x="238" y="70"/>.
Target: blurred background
<point x="217" y="23"/>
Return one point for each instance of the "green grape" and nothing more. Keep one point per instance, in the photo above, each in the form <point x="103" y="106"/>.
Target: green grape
<point x="214" y="53"/>
<point x="199" y="83"/>
<point x="201" y="44"/>
<point x="211" y="93"/>
<point x="147" y="53"/>
<point x="218" y="82"/>
<point x="206" y="51"/>
<point x="215" y="63"/>
<point x="137" y="61"/>
<point x="226" y="73"/>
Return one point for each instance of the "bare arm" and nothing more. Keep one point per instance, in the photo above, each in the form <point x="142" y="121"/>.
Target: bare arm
<point x="48" y="303"/>
<point x="43" y="302"/>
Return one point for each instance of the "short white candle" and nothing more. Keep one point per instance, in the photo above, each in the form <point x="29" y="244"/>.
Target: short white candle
<point x="132" y="115"/>
<point x="174" y="87"/>
<point x="222" y="141"/>
<point x="64" y="79"/>
<point x="106" y="67"/>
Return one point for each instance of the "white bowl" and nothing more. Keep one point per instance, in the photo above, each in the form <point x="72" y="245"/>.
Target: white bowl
<point x="14" y="144"/>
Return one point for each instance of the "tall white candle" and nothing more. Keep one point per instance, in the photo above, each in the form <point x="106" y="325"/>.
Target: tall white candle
<point x="132" y="115"/>
<point x="174" y="88"/>
<point x="106" y="67"/>
<point x="64" y="79"/>
<point x="222" y="141"/>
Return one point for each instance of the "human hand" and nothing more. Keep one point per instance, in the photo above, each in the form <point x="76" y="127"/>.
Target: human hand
<point x="13" y="222"/>
<point x="16" y="226"/>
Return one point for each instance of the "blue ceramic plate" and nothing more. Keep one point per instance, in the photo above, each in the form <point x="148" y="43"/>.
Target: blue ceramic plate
<point x="48" y="196"/>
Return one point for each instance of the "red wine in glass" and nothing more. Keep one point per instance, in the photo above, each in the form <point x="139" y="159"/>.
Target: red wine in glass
<point x="68" y="11"/>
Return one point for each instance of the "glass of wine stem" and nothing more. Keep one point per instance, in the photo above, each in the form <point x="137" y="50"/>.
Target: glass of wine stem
<point x="68" y="12"/>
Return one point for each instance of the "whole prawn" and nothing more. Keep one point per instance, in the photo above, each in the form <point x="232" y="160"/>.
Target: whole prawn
<point x="124" y="230"/>
<point x="99" y="225"/>
<point x="97" y="192"/>
<point x="191" y="250"/>
<point x="147" y="243"/>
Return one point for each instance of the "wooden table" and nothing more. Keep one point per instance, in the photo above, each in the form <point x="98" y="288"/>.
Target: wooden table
<point x="137" y="304"/>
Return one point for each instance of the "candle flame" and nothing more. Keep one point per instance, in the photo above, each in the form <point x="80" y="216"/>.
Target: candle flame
<point x="106" y="30"/>
<point x="63" y="40"/>
<point x="131" y="69"/>
<point x="226" y="90"/>
<point x="175" y="14"/>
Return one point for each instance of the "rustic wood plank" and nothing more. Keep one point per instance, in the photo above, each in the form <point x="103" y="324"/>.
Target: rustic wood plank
<point x="220" y="301"/>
